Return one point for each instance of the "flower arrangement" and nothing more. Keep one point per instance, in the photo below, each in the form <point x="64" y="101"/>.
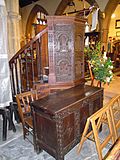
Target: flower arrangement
<point x="101" y="65"/>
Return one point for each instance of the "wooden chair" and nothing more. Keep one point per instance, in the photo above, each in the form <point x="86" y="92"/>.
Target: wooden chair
<point x="104" y="115"/>
<point x="93" y="80"/>
<point x="23" y="102"/>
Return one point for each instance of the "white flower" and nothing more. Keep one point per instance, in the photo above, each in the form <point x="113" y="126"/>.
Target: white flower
<point x="108" y="79"/>
<point x="111" y="67"/>
<point x="105" y="54"/>
<point x="110" y="72"/>
<point x="105" y="58"/>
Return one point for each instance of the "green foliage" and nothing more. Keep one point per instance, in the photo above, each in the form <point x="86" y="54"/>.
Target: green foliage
<point x="101" y="65"/>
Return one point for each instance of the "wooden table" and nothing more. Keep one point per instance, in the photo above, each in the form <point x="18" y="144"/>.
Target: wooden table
<point x="59" y="118"/>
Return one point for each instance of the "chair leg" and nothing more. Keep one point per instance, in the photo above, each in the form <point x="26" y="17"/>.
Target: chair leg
<point x="6" y="115"/>
<point x="11" y="124"/>
<point x="97" y="141"/>
<point x="4" y="134"/>
<point x="83" y="138"/>
<point x="92" y="82"/>
<point x="13" y="110"/>
<point x="10" y="118"/>
<point x="24" y="132"/>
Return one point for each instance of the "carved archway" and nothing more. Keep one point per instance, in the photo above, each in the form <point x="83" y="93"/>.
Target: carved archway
<point x="31" y="17"/>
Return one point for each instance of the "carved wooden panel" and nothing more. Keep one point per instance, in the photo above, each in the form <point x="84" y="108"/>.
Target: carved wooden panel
<point x="84" y="114"/>
<point x="63" y="54"/>
<point x="79" y="51"/>
<point x="46" y="129"/>
<point x="65" y="45"/>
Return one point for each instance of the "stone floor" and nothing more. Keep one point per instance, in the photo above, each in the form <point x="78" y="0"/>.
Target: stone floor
<point x="15" y="148"/>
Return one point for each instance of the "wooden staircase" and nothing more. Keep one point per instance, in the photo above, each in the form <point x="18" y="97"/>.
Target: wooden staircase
<point x="26" y="65"/>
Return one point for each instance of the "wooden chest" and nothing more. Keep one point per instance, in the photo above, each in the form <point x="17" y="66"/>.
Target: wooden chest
<point x="59" y="118"/>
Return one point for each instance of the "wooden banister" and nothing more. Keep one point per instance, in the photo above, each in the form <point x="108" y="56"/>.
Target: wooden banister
<point x="26" y="65"/>
<point x="28" y="44"/>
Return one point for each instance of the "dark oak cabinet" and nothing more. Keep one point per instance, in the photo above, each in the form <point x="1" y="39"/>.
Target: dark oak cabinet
<point x="59" y="118"/>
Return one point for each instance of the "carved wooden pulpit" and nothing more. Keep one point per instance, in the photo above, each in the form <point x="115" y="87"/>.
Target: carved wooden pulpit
<point x="60" y="117"/>
<point x="65" y="49"/>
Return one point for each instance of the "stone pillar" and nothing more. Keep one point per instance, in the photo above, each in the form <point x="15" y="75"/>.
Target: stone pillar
<point x="65" y="49"/>
<point x="13" y="26"/>
<point x="5" y="86"/>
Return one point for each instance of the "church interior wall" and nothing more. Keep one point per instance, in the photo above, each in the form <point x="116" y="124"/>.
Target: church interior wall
<point x="50" y="7"/>
<point x="102" y="4"/>
<point x="113" y="31"/>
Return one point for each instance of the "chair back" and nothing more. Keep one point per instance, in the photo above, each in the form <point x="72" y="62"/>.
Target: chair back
<point x="90" y="70"/>
<point x="23" y="101"/>
<point x="92" y="77"/>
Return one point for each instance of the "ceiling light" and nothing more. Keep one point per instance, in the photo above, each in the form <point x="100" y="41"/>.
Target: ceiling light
<point x="113" y="15"/>
<point x="71" y="3"/>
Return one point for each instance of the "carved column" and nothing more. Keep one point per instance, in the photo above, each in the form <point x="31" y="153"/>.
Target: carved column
<point x="13" y="26"/>
<point x="65" y="49"/>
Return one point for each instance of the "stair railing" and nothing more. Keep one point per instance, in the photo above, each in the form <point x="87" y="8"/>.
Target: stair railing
<point x="26" y="65"/>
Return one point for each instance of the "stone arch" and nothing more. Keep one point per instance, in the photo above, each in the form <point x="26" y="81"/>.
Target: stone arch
<point x="31" y="17"/>
<point x="109" y="9"/>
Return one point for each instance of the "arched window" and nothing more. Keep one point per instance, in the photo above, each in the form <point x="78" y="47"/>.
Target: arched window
<point x="36" y="16"/>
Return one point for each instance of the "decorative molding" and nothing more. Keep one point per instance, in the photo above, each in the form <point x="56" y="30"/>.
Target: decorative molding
<point x="14" y="15"/>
